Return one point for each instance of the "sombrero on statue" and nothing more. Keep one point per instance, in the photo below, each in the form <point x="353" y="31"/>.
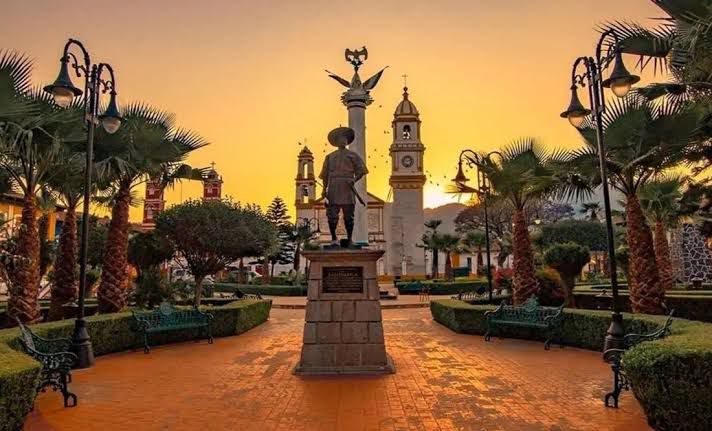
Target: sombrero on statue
<point x="336" y="135"/>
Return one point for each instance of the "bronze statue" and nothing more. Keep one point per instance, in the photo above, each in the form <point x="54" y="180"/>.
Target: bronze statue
<point x="341" y="169"/>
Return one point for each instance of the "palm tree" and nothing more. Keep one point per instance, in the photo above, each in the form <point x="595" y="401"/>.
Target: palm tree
<point x="660" y="200"/>
<point x="32" y="132"/>
<point x="591" y="210"/>
<point x="68" y="183"/>
<point x="148" y="145"/>
<point x="47" y="205"/>
<point x="448" y="244"/>
<point x="472" y="242"/>
<point x="302" y="236"/>
<point x="430" y="243"/>
<point x="523" y="175"/>
<point x="643" y="140"/>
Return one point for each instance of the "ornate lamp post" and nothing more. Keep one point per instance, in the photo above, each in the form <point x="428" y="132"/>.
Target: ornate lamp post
<point x="64" y="91"/>
<point x="483" y="188"/>
<point x="620" y="82"/>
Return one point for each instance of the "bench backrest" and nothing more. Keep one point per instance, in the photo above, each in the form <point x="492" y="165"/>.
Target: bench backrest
<point x="167" y="314"/>
<point x="26" y="335"/>
<point x="530" y="311"/>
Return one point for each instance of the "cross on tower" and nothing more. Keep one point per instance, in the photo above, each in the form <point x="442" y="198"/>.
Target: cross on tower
<point x="212" y="165"/>
<point x="405" y="80"/>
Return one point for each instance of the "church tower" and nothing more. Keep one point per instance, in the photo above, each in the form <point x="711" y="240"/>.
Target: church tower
<point x="305" y="183"/>
<point x="153" y="203"/>
<point x="212" y="185"/>
<point x="407" y="180"/>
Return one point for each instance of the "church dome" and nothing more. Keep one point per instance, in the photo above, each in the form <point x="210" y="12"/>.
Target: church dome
<point x="406" y="107"/>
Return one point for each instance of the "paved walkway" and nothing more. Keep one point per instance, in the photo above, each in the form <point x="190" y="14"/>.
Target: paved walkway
<point x="444" y="381"/>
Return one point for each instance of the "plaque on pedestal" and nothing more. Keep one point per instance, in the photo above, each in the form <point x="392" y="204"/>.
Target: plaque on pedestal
<point x="343" y="328"/>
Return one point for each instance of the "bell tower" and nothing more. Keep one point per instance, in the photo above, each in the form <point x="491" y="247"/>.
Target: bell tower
<point x="153" y="203"/>
<point x="212" y="184"/>
<point x="305" y="183"/>
<point x="407" y="180"/>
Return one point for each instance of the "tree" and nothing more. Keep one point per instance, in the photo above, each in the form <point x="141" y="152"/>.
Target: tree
<point x="32" y="131"/>
<point x="568" y="259"/>
<point x="589" y="234"/>
<point x="277" y="213"/>
<point x="429" y="240"/>
<point x="643" y="140"/>
<point x="208" y="235"/>
<point x="660" y="200"/>
<point x="448" y="244"/>
<point x="591" y="210"/>
<point x="473" y="242"/>
<point x="146" y="252"/>
<point x="523" y="175"/>
<point x="303" y="235"/>
<point x="148" y="145"/>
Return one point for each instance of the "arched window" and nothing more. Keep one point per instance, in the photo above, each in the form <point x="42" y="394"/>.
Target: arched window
<point x="406" y="132"/>
<point x="304" y="169"/>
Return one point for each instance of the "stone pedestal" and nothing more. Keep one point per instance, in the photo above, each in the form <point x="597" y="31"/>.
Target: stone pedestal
<point x="343" y="328"/>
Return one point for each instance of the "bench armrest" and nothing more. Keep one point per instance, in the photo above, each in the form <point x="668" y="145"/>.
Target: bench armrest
<point x="496" y="311"/>
<point x="556" y="316"/>
<point x="613" y="356"/>
<point x="207" y="315"/>
<point x="52" y="361"/>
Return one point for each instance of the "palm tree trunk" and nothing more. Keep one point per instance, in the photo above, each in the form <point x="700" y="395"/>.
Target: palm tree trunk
<point x="449" y="275"/>
<point x="23" y="303"/>
<point x="64" y="288"/>
<point x="646" y="292"/>
<point x="42" y="234"/>
<point x="435" y="264"/>
<point x="112" y="290"/>
<point x="524" y="276"/>
<point x="662" y="256"/>
<point x="241" y="276"/>
<point x="297" y="257"/>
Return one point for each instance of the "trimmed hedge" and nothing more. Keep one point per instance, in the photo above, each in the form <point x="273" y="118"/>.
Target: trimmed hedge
<point x="672" y="377"/>
<point x="692" y="307"/>
<point x="441" y="287"/>
<point x="109" y="333"/>
<point x="267" y="289"/>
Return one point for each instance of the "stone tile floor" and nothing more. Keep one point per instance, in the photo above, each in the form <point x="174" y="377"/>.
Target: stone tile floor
<point x="444" y="381"/>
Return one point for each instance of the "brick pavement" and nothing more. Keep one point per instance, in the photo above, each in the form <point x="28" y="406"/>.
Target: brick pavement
<point x="443" y="381"/>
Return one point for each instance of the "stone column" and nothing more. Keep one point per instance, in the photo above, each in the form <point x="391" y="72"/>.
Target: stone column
<point x="343" y="328"/>
<point x="357" y="121"/>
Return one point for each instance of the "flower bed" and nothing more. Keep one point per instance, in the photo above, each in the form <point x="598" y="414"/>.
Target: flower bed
<point x="671" y="377"/>
<point x="110" y="333"/>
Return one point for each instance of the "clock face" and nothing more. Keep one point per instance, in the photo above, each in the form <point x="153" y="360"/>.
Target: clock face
<point x="407" y="161"/>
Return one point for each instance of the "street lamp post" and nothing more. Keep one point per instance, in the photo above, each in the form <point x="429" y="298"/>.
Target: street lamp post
<point x="620" y="82"/>
<point x="483" y="187"/>
<point x="64" y="91"/>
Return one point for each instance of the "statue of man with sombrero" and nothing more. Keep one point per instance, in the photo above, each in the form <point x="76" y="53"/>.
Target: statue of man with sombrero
<point x="341" y="169"/>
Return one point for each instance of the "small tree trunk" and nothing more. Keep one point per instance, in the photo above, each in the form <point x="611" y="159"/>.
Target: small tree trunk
<point x="297" y="257"/>
<point x="241" y="276"/>
<point x="435" y="263"/>
<point x="569" y="284"/>
<point x="198" y="291"/>
<point x="646" y="292"/>
<point x="265" y="271"/>
<point x="662" y="256"/>
<point x="524" y="276"/>
<point x="271" y="271"/>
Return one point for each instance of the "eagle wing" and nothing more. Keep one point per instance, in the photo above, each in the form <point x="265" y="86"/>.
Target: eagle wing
<point x="339" y="79"/>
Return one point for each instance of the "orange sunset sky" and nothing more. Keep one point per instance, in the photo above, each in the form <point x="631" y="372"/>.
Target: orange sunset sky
<point x="249" y="75"/>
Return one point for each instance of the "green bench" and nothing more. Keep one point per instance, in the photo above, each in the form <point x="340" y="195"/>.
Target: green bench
<point x="615" y="358"/>
<point x="168" y="318"/>
<point x="529" y="315"/>
<point x="56" y="361"/>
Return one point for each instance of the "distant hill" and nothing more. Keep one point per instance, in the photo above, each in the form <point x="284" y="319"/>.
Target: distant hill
<point x="447" y="214"/>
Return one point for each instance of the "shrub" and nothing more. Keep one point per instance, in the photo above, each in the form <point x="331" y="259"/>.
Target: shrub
<point x="551" y="287"/>
<point x="670" y="377"/>
<point x="503" y="278"/>
<point x="441" y="287"/>
<point x="568" y="259"/>
<point x="110" y="333"/>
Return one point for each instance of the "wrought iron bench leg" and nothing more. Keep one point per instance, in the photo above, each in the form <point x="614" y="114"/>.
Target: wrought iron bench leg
<point x="615" y="393"/>
<point x="66" y="394"/>
<point x="547" y="343"/>
<point x="210" y="333"/>
<point x="146" y="348"/>
<point x="488" y="333"/>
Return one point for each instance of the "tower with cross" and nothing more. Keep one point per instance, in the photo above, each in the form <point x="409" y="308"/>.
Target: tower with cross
<point x="212" y="184"/>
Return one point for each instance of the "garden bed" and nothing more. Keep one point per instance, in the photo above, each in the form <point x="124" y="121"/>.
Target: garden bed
<point x="671" y="377"/>
<point x="109" y="333"/>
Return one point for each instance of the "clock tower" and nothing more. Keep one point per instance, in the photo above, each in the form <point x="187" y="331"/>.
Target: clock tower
<point x="407" y="180"/>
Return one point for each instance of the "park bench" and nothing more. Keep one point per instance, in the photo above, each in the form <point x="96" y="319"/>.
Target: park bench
<point x="615" y="357"/>
<point x="530" y="315"/>
<point x="168" y="318"/>
<point x="56" y="361"/>
<point x="480" y="293"/>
